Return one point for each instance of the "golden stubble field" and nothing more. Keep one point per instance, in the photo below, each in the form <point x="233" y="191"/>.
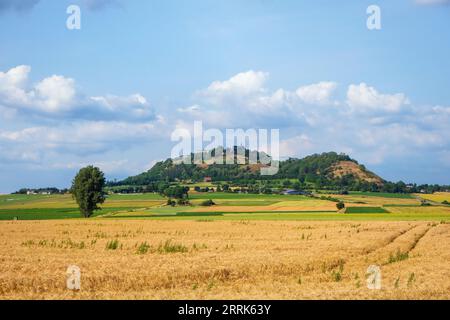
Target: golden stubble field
<point x="224" y="259"/>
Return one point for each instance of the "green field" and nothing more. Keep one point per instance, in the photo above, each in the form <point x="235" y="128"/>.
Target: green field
<point x="353" y="210"/>
<point x="48" y="214"/>
<point x="383" y="195"/>
<point x="382" y="206"/>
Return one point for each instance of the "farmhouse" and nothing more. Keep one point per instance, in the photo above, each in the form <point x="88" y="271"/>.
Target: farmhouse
<point x="207" y="179"/>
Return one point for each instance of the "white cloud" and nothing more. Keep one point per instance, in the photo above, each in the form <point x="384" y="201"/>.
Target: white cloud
<point x="242" y="84"/>
<point x="134" y="106"/>
<point x="245" y="99"/>
<point x="400" y="134"/>
<point x="296" y="146"/>
<point x="108" y="167"/>
<point x="12" y="83"/>
<point x="318" y="93"/>
<point x="80" y="138"/>
<point x="192" y="109"/>
<point x="55" y="94"/>
<point x="365" y="98"/>
<point x="15" y="77"/>
<point x="271" y="105"/>
<point x="441" y="110"/>
<point x="370" y="125"/>
<point x="56" y="97"/>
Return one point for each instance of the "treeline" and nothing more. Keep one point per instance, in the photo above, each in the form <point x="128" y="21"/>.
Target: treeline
<point x="152" y="187"/>
<point x="42" y="191"/>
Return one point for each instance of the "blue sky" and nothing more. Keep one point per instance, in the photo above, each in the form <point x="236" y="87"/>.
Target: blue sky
<point x="112" y="92"/>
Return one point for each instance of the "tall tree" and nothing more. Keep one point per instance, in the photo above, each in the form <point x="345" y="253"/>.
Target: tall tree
<point x="87" y="190"/>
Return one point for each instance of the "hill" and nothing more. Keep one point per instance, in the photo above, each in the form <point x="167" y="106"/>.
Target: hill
<point x="329" y="169"/>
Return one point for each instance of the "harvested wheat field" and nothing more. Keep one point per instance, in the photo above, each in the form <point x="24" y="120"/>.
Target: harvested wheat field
<point x="146" y="259"/>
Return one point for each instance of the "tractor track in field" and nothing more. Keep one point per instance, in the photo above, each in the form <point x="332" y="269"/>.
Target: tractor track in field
<point x="342" y="262"/>
<point x="383" y="248"/>
<point x="417" y="239"/>
<point x="391" y="240"/>
<point x="410" y="244"/>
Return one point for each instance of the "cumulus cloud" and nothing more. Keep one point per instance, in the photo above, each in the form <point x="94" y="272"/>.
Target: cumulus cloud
<point x="80" y="138"/>
<point x="52" y="94"/>
<point x="55" y="93"/>
<point x="318" y="93"/>
<point x="297" y="146"/>
<point x="365" y="98"/>
<point x="246" y="99"/>
<point x="57" y="97"/>
<point x="135" y="106"/>
<point x="370" y="125"/>
<point x="241" y="85"/>
<point x="109" y="167"/>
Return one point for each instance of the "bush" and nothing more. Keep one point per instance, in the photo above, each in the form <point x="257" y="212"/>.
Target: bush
<point x="207" y="203"/>
<point x="171" y="203"/>
<point x="340" y="205"/>
<point x="425" y="203"/>
<point x="183" y="202"/>
<point x="446" y="202"/>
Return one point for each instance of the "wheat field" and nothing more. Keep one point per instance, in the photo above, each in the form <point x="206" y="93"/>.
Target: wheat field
<point x="203" y="259"/>
<point x="437" y="196"/>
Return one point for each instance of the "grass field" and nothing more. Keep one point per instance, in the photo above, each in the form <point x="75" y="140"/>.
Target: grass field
<point x="224" y="259"/>
<point x="244" y="247"/>
<point x="366" y="210"/>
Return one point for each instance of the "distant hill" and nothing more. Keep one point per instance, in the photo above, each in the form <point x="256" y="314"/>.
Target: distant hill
<point x="326" y="169"/>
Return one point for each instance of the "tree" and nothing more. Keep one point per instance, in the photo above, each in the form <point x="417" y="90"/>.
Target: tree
<point x="207" y="203"/>
<point x="177" y="192"/>
<point x="340" y="205"/>
<point x="297" y="186"/>
<point x="87" y="190"/>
